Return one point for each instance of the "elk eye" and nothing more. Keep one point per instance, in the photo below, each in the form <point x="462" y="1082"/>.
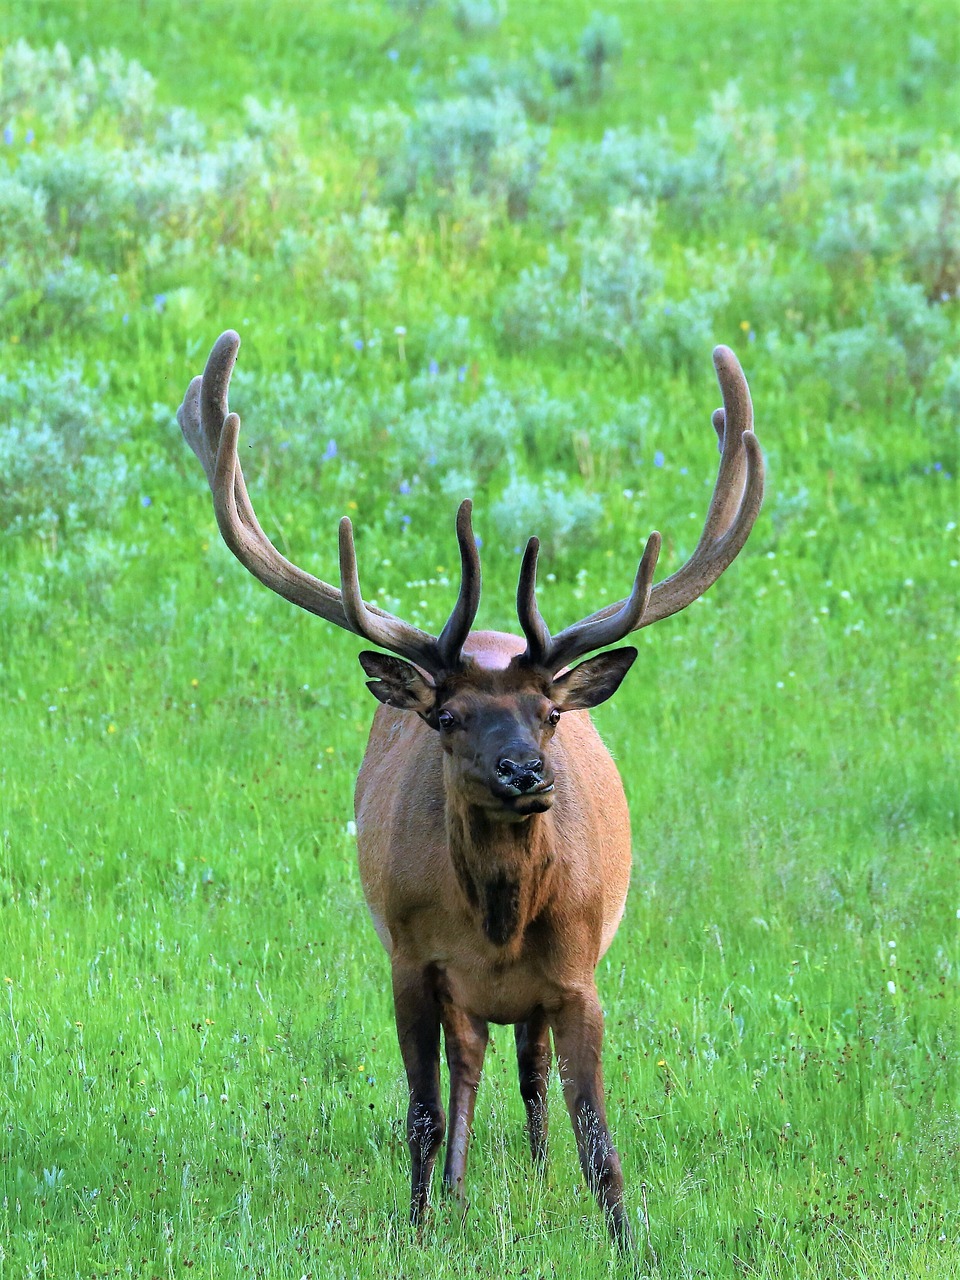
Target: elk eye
<point x="554" y="716"/>
<point x="446" y="720"/>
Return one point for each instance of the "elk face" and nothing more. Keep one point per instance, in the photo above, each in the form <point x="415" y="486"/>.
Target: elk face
<point x="495" y="726"/>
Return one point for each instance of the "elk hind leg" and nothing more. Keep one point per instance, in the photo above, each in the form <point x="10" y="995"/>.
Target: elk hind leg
<point x="533" y="1066"/>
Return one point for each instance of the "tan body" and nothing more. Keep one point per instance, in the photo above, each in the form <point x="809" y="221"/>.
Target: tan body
<point x="492" y="829"/>
<point x="574" y="861"/>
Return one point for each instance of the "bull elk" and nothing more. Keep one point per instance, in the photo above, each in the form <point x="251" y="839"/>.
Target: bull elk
<point x="492" y="827"/>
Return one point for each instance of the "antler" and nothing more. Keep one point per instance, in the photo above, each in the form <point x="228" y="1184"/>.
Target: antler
<point x="211" y="431"/>
<point x="733" y="510"/>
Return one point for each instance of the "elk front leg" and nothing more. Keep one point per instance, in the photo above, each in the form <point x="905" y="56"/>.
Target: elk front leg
<point x="578" y="1038"/>
<point x="417" y="1012"/>
<point x="465" y="1039"/>
<point x="533" y="1065"/>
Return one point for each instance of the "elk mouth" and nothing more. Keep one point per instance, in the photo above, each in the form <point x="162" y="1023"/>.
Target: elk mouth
<point x="537" y="798"/>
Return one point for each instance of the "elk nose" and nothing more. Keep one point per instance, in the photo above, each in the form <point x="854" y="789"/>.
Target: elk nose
<point x="524" y="774"/>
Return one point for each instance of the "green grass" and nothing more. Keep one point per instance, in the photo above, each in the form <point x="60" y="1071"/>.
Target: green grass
<point x="198" y="1066"/>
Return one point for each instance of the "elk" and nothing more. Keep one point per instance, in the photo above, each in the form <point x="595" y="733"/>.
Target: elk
<point x="492" y="828"/>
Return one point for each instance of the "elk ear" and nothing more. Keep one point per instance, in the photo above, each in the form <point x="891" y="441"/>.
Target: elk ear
<point x="397" y="683"/>
<point x="593" y="681"/>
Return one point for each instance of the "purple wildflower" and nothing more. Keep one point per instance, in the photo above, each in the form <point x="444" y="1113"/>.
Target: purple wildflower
<point x="434" y="368"/>
<point x="28" y="137"/>
<point x="8" y="135"/>
<point x="160" y="303"/>
<point x="330" y="451"/>
<point x="404" y="486"/>
<point x="462" y="373"/>
<point x="146" y="502"/>
<point x="658" y="458"/>
<point x="404" y="520"/>
<point x="358" y="344"/>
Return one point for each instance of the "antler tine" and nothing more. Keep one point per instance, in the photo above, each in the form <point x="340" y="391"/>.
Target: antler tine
<point x="531" y="620"/>
<point x="737" y="417"/>
<point x="212" y="432"/>
<point x="602" y="629"/>
<point x="382" y="629"/>
<point x="458" y="625"/>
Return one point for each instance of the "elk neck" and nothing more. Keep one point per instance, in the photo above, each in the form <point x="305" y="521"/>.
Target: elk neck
<point x="504" y="868"/>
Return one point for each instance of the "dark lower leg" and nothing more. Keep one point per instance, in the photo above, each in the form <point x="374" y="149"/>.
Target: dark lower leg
<point x="418" y="1029"/>
<point x="533" y="1065"/>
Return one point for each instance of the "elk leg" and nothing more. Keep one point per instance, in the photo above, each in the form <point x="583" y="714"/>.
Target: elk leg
<point x="533" y="1064"/>
<point x="578" y="1037"/>
<point x="466" y="1043"/>
<point x="417" y="1013"/>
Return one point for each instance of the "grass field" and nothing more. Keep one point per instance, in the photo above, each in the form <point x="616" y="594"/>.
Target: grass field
<point x="477" y="249"/>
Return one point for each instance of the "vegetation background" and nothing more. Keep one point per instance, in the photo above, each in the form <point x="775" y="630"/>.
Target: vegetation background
<point x="476" y="248"/>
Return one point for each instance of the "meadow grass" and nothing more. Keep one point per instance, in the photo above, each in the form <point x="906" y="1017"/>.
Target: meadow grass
<point x="199" y="1066"/>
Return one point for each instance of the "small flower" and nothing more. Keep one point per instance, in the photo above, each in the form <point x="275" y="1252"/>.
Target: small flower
<point x="160" y="303"/>
<point x="478" y="540"/>
<point x="8" y="135"/>
<point x="745" y="326"/>
<point x="358" y="344"/>
<point x="28" y="137"/>
<point x="195" y="683"/>
<point x="462" y="373"/>
<point x="404" y="486"/>
<point x="433" y="368"/>
<point x="125" y="318"/>
<point x="404" y="520"/>
<point x="658" y="458"/>
<point x="146" y="502"/>
<point x="393" y="54"/>
<point x="111" y="728"/>
<point x="330" y="451"/>
<point x="892" y="988"/>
